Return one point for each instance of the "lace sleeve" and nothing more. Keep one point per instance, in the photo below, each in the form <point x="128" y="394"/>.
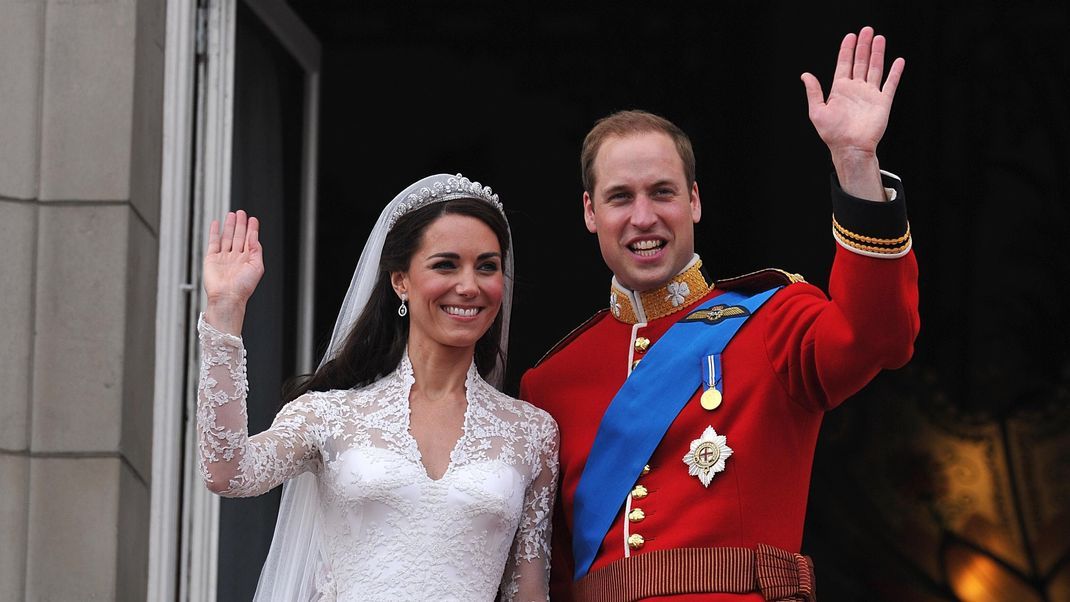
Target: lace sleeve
<point x="232" y="463"/>
<point x="527" y="571"/>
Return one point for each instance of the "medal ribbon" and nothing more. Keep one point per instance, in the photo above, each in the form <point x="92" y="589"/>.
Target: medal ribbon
<point x="640" y="414"/>
<point x="711" y="376"/>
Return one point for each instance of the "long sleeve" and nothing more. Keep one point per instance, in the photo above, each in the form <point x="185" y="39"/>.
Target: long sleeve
<point x="233" y="464"/>
<point x="826" y="350"/>
<point x="527" y="569"/>
<point x="561" y="537"/>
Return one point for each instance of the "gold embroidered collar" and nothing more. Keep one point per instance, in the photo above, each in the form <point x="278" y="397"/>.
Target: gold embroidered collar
<point x="684" y="289"/>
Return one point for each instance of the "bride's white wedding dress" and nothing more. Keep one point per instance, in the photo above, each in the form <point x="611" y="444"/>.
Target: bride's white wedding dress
<point x="389" y="531"/>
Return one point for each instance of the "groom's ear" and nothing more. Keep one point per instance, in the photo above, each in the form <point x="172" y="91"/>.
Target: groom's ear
<point x="696" y="203"/>
<point x="588" y="213"/>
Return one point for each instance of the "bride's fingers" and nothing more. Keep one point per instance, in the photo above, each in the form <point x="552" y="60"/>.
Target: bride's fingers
<point x="213" y="237"/>
<point x="252" y="239"/>
<point x="228" y="233"/>
<point x="241" y="219"/>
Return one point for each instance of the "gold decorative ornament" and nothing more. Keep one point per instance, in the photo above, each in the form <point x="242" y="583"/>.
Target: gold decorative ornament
<point x="880" y="246"/>
<point x="711" y="399"/>
<point x="716" y="314"/>
<point x="706" y="455"/>
<point x="686" y="288"/>
<point x="880" y="241"/>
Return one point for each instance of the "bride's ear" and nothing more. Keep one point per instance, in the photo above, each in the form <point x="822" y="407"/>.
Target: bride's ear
<point x="400" y="282"/>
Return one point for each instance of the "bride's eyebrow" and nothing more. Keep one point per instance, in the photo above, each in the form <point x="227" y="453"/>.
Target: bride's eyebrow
<point x="448" y="255"/>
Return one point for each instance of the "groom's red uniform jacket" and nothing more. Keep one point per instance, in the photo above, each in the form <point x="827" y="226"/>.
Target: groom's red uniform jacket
<point x="798" y="356"/>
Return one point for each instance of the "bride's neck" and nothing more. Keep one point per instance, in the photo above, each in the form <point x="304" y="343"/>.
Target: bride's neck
<point x="440" y="371"/>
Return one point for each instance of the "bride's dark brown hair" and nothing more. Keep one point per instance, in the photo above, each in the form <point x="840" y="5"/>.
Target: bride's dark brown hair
<point x="373" y="348"/>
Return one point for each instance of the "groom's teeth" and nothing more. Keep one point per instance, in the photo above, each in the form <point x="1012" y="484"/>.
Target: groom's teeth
<point x="646" y="248"/>
<point x="461" y="311"/>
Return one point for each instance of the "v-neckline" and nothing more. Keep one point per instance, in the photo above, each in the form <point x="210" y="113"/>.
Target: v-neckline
<point x="409" y="380"/>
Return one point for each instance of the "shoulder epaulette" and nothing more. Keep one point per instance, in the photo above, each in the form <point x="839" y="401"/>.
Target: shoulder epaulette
<point x="762" y="280"/>
<point x="577" y="331"/>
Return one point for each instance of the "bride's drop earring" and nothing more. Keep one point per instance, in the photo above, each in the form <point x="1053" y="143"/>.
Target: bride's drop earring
<point x="402" y="310"/>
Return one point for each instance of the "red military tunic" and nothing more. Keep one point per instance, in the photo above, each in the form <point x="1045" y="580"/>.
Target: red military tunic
<point x="798" y="356"/>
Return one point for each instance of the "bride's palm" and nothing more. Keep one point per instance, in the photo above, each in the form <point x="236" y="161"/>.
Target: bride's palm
<point x="234" y="261"/>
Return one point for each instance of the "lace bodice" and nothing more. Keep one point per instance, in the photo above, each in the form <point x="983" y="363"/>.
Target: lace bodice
<point x="390" y="531"/>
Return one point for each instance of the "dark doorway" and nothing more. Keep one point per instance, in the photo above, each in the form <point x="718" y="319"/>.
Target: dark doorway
<point x="504" y="93"/>
<point x="266" y="182"/>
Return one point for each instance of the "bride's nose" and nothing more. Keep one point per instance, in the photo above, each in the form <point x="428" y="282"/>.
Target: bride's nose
<point x="466" y="284"/>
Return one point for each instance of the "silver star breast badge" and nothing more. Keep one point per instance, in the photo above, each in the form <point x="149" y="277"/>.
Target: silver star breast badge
<point x="707" y="456"/>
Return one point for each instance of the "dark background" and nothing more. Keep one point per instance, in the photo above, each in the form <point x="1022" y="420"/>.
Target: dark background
<point x="947" y="480"/>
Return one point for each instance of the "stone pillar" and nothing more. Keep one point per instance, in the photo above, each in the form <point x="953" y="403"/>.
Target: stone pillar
<point x="80" y="151"/>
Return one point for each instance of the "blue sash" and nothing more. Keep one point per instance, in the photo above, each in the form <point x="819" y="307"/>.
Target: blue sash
<point x="642" y="411"/>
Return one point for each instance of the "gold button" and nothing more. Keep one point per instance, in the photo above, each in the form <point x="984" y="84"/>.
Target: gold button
<point x="641" y="343"/>
<point x="639" y="492"/>
<point x="636" y="515"/>
<point x="635" y="541"/>
<point x="646" y="469"/>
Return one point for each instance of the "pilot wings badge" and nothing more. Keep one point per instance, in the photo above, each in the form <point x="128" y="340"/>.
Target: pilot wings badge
<point x="716" y="314"/>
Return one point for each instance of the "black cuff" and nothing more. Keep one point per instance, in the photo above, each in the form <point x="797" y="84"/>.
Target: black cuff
<point x="873" y="228"/>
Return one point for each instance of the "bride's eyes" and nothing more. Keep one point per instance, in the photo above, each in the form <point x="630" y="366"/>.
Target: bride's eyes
<point x="442" y="265"/>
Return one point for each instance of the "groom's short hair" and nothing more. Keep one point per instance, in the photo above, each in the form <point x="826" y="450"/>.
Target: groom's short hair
<point x="628" y="123"/>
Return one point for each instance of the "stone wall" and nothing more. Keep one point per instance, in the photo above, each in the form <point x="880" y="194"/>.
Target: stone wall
<point x="81" y="88"/>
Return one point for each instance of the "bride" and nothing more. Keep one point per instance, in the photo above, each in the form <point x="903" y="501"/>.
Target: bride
<point x="408" y="477"/>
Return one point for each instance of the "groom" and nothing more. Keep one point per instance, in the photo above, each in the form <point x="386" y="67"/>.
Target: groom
<point x="689" y="410"/>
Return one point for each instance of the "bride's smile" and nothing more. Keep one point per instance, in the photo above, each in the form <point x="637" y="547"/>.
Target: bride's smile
<point x="454" y="283"/>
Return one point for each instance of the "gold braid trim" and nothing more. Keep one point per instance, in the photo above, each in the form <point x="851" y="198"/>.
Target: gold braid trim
<point x="658" y="302"/>
<point x="627" y="312"/>
<point x="879" y="241"/>
<point x="882" y="250"/>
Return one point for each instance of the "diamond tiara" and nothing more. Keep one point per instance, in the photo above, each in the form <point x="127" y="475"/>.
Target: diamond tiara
<point x="454" y="187"/>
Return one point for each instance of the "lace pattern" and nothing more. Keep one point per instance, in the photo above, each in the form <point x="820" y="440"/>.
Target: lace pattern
<point x="392" y="532"/>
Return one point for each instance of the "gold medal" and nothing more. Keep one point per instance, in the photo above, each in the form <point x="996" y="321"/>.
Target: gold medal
<point x="711" y="399"/>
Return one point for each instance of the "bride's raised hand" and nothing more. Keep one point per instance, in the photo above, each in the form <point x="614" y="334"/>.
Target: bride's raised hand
<point x="233" y="266"/>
